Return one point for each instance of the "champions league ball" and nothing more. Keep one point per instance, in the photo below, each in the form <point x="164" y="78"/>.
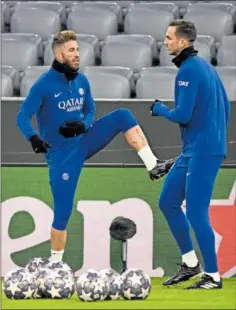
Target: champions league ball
<point x="62" y="268"/>
<point x="90" y="286"/>
<point x="114" y="283"/>
<point x="56" y="286"/>
<point x="137" y="284"/>
<point x="42" y="275"/>
<point x="35" y="264"/>
<point x="19" y="284"/>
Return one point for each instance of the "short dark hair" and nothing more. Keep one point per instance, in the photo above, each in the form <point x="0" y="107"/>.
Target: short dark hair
<point x="185" y="29"/>
<point x="63" y="37"/>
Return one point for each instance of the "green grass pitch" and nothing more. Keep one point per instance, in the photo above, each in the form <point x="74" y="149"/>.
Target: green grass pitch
<point x="160" y="298"/>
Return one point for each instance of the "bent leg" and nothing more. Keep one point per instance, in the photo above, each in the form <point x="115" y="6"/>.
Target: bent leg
<point x="107" y="127"/>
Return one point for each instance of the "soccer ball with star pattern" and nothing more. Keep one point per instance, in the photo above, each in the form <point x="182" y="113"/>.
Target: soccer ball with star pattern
<point x="90" y="286"/>
<point x="42" y="275"/>
<point x="114" y="283"/>
<point x="56" y="286"/>
<point x="137" y="284"/>
<point x="35" y="264"/>
<point x="19" y="284"/>
<point x="61" y="267"/>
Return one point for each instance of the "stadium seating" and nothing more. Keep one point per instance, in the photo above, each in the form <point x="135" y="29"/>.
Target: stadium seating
<point x="104" y="21"/>
<point x="156" y="82"/>
<point x="107" y="84"/>
<point x="7" y="86"/>
<point x="213" y="6"/>
<point x="228" y="77"/>
<point x="132" y="51"/>
<point x="13" y="74"/>
<point x="226" y="55"/>
<point x="156" y="6"/>
<point x="19" y="51"/>
<point x="113" y="7"/>
<point x="123" y="71"/>
<point x="148" y="20"/>
<point x="35" y="20"/>
<point x="31" y="74"/>
<point x="216" y="25"/>
<point x="124" y="41"/>
<point x="46" y="5"/>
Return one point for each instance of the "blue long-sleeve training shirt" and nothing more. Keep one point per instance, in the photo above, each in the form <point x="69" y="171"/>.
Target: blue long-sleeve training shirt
<point x="55" y="100"/>
<point x="201" y="108"/>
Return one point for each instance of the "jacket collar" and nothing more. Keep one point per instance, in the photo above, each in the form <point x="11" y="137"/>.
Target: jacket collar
<point x="69" y="73"/>
<point x="183" y="55"/>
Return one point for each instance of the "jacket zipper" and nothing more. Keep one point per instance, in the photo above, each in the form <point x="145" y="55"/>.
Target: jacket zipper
<point x="70" y="88"/>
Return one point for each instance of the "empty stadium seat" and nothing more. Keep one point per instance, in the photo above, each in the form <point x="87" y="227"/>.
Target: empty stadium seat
<point x="156" y="82"/>
<point x="228" y="77"/>
<point x="216" y="25"/>
<point x="226" y="55"/>
<point x="113" y="7"/>
<point x="27" y="37"/>
<point x="126" y="53"/>
<point x="147" y="20"/>
<point x="56" y="7"/>
<point x="34" y="20"/>
<point x="212" y="6"/>
<point x="31" y="74"/>
<point x="204" y="50"/>
<point x="157" y="6"/>
<point x="126" y="72"/>
<point x="208" y="40"/>
<point x="13" y="74"/>
<point x="143" y="38"/>
<point x="18" y="53"/>
<point x="7" y="86"/>
<point x="96" y="21"/>
<point x="108" y="85"/>
<point x="86" y="50"/>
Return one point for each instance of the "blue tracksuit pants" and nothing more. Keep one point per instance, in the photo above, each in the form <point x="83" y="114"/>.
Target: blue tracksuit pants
<point x="191" y="178"/>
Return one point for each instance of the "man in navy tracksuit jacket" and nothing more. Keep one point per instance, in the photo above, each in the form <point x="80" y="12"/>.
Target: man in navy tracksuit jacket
<point x="65" y="111"/>
<point x="202" y="111"/>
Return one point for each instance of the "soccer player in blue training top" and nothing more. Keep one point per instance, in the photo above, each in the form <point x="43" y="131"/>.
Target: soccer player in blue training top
<point x="202" y="111"/>
<point x="69" y="134"/>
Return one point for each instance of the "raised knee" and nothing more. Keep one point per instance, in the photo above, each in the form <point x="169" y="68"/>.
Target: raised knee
<point x="124" y="113"/>
<point x="126" y="119"/>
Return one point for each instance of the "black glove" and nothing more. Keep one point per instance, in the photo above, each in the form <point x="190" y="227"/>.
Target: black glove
<point x="39" y="145"/>
<point x="72" y="129"/>
<point x="152" y="106"/>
